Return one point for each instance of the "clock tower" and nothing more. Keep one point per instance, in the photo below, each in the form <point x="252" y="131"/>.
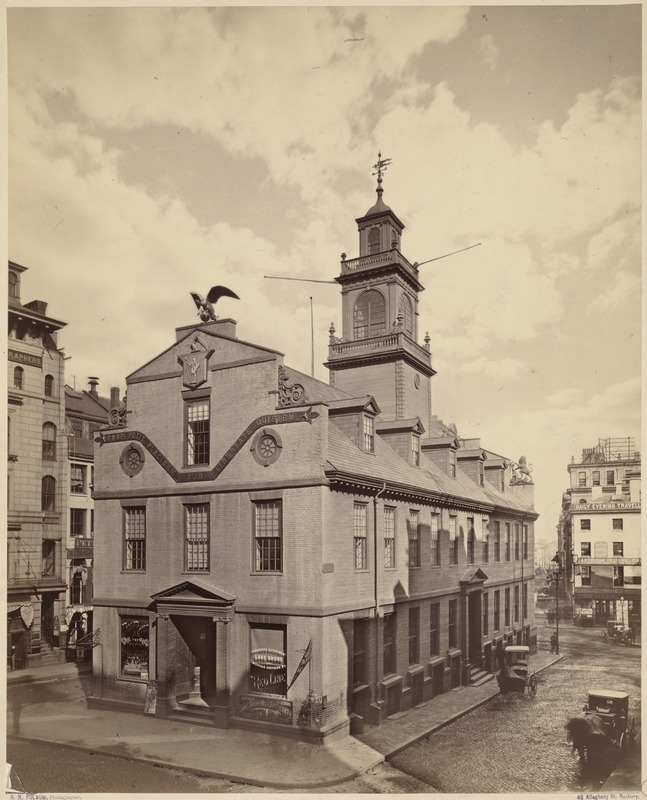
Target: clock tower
<point x="378" y="351"/>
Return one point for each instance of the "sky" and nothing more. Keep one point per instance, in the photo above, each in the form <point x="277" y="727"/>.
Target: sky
<point x="156" y="151"/>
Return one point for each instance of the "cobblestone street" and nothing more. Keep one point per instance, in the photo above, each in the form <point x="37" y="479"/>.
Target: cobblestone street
<point x="514" y="744"/>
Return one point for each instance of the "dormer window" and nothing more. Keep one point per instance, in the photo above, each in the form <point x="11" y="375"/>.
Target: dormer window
<point x="13" y="285"/>
<point x="415" y="450"/>
<point x="369" y="434"/>
<point x="452" y="463"/>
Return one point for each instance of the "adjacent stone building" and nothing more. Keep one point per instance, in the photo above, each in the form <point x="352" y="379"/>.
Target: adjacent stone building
<point x="278" y="553"/>
<point x="600" y="533"/>
<point x="36" y="476"/>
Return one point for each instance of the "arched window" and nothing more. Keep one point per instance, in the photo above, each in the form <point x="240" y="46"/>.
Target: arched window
<point x="49" y="386"/>
<point x="49" y="442"/>
<point x="370" y="315"/>
<point x="13" y="284"/>
<point x="48" y="494"/>
<point x="18" y="377"/>
<point x="374" y="240"/>
<point x="407" y="315"/>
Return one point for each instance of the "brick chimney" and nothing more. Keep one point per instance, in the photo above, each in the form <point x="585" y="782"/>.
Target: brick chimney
<point x="115" y="401"/>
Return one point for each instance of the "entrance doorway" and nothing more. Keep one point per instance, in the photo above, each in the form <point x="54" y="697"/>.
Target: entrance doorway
<point x="474" y="627"/>
<point x="199" y="636"/>
<point x="47" y="618"/>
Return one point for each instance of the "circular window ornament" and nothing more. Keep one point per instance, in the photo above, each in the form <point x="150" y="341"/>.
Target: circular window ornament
<point x="132" y="460"/>
<point x="266" y="447"/>
<point x="416" y="381"/>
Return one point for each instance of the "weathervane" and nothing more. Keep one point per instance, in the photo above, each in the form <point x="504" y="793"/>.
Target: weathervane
<point x="381" y="166"/>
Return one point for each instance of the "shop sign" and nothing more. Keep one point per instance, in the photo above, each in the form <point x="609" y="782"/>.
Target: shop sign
<point x="26" y="358"/>
<point x="269" y="709"/>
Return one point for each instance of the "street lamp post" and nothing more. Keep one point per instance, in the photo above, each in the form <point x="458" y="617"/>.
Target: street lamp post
<point x="557" y="569"/>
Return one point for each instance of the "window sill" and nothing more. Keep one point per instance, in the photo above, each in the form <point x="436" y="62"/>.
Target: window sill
<point x="266" y="572"/>
<point x="415" y="669"/>
<point x="391" y="680"/>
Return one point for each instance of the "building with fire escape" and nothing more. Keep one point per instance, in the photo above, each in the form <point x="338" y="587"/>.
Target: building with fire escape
<point x="599" y="533"/>
<point x="36" y="476"/>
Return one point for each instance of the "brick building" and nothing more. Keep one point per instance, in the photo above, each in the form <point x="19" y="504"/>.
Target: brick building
<point x="600" y="533"/>
<point x="279" y="553"/>
<point x="36" y="476"/>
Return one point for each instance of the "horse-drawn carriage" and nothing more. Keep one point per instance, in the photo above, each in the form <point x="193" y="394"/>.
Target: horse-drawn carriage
<point x="616" y="632"/>
<point x="515" y="675"/>
<point x="604" y="725"/>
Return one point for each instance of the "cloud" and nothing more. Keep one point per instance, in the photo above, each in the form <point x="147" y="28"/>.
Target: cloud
<point x="488" y="51"/>
<point x="499" y="368"/>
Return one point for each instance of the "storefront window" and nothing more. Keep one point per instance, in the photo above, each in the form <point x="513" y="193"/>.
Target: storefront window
<point x="268" y="662"/>
<point x="134" y="647"/>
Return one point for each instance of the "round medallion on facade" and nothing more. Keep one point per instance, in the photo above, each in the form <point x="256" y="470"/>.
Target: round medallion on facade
<point x="266" y="447"/>
<point x="416" y="381"/>
<point x="132" y="460"/>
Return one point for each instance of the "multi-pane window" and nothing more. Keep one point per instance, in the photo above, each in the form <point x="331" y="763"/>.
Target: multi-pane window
<point x="388" y="644"/>
<point x="360" y="638"/>
<point x="582" y="478"/>
<point x="585" y="524"/>
<point x="506" y="608"/>
<point x="77" y="521"/>
<point x="481" y="473"/>
<point x="414" y="635"/>
<point x="486" y="540"/>
<point x="369" y="317"/>
<point x="49" y="385"/>
<point x="196" y="526"/>
<point x="617" y="524"/>
<point x="507" y="541"/>
<point x="49" y="442"/>
<point x="434" y="629"/>
<point x="611" y="477"/>
<point x="13" y="284"/>
<point x="48" y="550"/>
<point x="389" y="537"/>
<point x="435" y="541"/>
<point x="586" y="576"/>
<point x="135" y="538"/>
<point x="453" y="540"/>
<point x="197" y="432"/>
<point x="618" y="549"/>
<point x="452" y="463"/>
<point x="497" y="610"/>
<point x="585" y="548"/>
<point x="497" y="542"/>
<point x="618" y="576"/>
<point x="414" y="538"/>
<point x="133" y="647"/>
<point x="369" y="433"/>
<point x="516" y="604"/>
<point x="77" y="479"/>
<point x="471" y="536"/>
<point x="48" y="493"/>
<point x="516" y="542"/>
<point x="524" y="548"/>
<point x="374" y="241"/>
<point x="415" y="450"/>
<point x="485" y="609"/>
<point x="268" y="550"/>
<point x="18" y="377"/>
<point x="359" y="536"/>
<point x="451" y="623"/>
<point x="595" y="477"/>
<point x="524" y="602"/>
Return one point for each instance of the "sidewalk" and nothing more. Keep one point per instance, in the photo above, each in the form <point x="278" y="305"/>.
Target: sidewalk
<point x="242" y="756"/>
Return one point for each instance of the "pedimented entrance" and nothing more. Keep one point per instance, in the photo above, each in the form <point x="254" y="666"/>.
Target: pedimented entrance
<point x="471" y="602"/>
<point x="192" y="649"/>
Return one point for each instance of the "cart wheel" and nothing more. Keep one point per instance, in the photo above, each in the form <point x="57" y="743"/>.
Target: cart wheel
<point x="622" y="742"/>
<point x="532" y="685"/>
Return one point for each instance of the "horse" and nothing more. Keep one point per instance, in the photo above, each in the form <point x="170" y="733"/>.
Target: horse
<point x="587" y="736"/>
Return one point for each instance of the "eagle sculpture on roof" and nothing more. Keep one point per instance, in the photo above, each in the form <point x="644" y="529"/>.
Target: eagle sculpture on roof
<point x="205" y="307"/>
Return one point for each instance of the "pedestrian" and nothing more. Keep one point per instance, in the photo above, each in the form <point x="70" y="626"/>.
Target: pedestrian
<point x="553" y="643"/>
